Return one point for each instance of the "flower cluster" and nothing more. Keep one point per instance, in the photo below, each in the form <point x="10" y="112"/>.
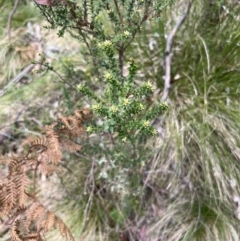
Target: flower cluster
<point x="107" y="47"/>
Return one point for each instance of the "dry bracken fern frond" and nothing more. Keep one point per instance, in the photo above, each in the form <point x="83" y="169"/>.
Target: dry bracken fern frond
<point x="21" y="186"/>
<point x="64" y="230"/>
<point x="15" y="164"/>
<point x="36" y="143"/>
<point x="33" y="236"/>
<point x="11" y="196"/>
<point x="84" y="114"/>
<point x="47" y="168"/>
<point x="14" y="232"/>
<point x="70" y="122"/>
<point x="41" y="153"/>
<point x="50" y="220"/>
<point x="69" y="145"/>
<point x="73" y="125"/>
<point x="52" y="137"/>
<point x="35" y="211"/>
<point x="44" y="220"/>
<point x="53" y="152"/>
<point x="4" y="208"/>
<point x="5" y="159"/>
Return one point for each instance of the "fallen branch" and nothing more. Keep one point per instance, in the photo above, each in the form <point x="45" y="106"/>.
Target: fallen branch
<point x="169" y="54"/>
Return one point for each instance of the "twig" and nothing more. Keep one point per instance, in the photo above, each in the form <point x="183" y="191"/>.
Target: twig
<point x="122" y="48"/>
<point x="62" y="79"/>
<point x="144" y="18"/>
<point x="95" y="62"/>
<point x="120" y="59"/>
<point x="91" y="195"/>
<point x="168" y="52"/>
<point x="10" y="19"/>
<point x="118" y="11"/>
<point x="17" y="78"/>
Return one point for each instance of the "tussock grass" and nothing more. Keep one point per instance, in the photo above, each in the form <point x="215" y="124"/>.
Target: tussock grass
<point x="198" y="154"/>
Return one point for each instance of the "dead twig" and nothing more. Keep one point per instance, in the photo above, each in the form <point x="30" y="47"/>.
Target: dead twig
<point x="169" y="54"/>
<point x="10" y="19"/>
<point x="17" y="78"/>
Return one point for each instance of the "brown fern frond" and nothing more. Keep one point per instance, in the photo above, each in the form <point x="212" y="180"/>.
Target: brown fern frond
<point x="44" y="220"/>
<point x="52" y="137"/>
<point x="5" y="159"/>
<point x="70" y="146"/>
<point x="72" y="126"/>
<point x="23" y="227"/>
<point x="47" y="168"/>
<point x="11" y="196"/>
<point x="53" y="156"/>
<point x="30" y="213"/>
<point x="70" y="122"/>
<point x="54" y="153"/>
<point x="35" y="212"/>
<point x="43" y="153"/>
<point x="36" y="236"/>
<point x="15" y="164"/>
<point x="50" y="156"/>
<point x="64" y="230"/>
<point x="84" y="114"/>
<point x="21" y="182"/>
<point x="50" y="220"/>
<point x="62" y="227"/>
<point x="15" y="232"/>
<point x="36" y="144"/>
<point x="78" y="115"/>
<point x="4" y="209"/>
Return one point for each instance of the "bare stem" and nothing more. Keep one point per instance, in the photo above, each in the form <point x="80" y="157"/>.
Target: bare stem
<point x="118" y="11"/>
<point x="10" y="19"/>
<point x="169" y="54"/>
<point x="120" y="59"/>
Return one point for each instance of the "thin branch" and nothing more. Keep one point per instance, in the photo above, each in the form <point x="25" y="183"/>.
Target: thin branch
<point x="121" y="47"/>
<point x="169" y="54"/>
<point x="82" y="29"/>
<point x="120" y="59"/>
<point x="62" y="79"/>
<point x="144" y="18"/>
<point x="91" y="53"/>
<point x="90" y="182"/>
<point x="10" y="19"/>
<point x="118" y="11"/>
<point x="17" y="78"/>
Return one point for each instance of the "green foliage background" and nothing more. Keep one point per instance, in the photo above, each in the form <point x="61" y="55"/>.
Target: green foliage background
<point x="179" y="185"/>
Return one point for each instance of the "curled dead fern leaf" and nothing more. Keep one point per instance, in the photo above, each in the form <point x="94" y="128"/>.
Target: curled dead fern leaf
<point x="41" y="153"/>
<point x="64" y="230"/>
<point x="43" y="220"/>
<point x="36" y="143"/>
<point x="15" y="232"/>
